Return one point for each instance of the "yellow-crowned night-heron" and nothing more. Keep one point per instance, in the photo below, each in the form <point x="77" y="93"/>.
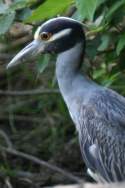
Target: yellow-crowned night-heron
<point x="98" y="112"/>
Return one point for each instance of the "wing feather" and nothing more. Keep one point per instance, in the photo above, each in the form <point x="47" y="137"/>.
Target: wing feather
<point x="102" y="123"/>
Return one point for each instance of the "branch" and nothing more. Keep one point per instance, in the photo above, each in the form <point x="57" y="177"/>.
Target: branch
<point x="25" y="175"/>
<point x="22" y="118"/>
<point x="8" y="183"/>
<point x="38" y="91"/>
<point x="16" y="43"/>
<point x="6" y="138"/>
<point x="41" y="163"/>
<point x="20" y="41"/>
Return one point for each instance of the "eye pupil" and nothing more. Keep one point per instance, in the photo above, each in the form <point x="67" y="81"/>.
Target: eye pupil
<point x="45" y="36"/>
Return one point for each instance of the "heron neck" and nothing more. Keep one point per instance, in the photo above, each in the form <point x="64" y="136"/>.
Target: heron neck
<point x="68" y="70"/>
<point x="69" y="62"/>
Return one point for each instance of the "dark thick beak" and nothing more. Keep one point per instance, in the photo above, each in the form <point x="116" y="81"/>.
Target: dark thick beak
<point x="30" y="51"/>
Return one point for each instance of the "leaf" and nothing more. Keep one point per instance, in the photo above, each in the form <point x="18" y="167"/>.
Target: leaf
<point x="20" y="4"/>
<point x="43" y="62"/>
<point x="105" y="42"/>
<point x="110" y="80"/>
<point x="5" y="22"/>
<point x="98" y="73"/>
<point x="121" y="44"/>
<point x="98" y="20"/>
<point x="114" y="8"/>
<point x="49" y="9"/>
<point x="24" y="14"/>
<point x="87" y="8"/>
<point x="91" y="48"/>
<point x="3" y="8"/>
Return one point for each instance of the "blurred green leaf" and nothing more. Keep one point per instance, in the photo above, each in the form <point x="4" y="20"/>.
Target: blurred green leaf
<point x="49" y="9"/>
<point x="98" y="20"/>
<point x="20" y="4"/>
<point x="121" y="44"/>
<point x="109" y="80"/>
<point x="114" y="8"/>
<point x="98" y="73"/>
<point x="24" y="14"/>
<point x="92" y="47"/>
<point x="3" y="8"/>
<point x="6" y="21"/>
<point x="87" y="8"/>
<point x="105" y="42"/>
<point x="43" y="62"/>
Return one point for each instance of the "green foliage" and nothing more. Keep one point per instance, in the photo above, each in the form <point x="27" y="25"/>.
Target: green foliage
<point x="20" y="4"/>
<point x="105" y="39"/>
<point x="3" y="8"/>
<point x="121" y="44"/>
<point x="113" y="9"/>
<point x="49" y="9"/>
<point x="46" y="10"/>
<point x="45" y="61"/>
<point x="87" y="9"/>
<point x="5" y="22"/>
<point x="8" y="13"/>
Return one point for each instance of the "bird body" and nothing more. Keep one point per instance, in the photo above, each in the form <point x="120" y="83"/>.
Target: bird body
<point x="97" y="112"/>
<point x="99" y="116"/>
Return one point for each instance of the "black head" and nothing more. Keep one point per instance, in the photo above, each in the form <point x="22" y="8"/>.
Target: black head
<point x="64" y="34"/>
<point x="54" y="36"/>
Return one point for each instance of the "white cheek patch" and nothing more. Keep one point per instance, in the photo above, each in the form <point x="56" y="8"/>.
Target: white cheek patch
<point x="36" y="36"/>
<point x="60" y="34"/>
<point x="55" y="36"/>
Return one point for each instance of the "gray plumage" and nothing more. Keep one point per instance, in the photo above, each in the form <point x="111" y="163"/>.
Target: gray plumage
<point x="97" y="112"/>
<point x="103" y="119"/>
<point x="99" y="115"/>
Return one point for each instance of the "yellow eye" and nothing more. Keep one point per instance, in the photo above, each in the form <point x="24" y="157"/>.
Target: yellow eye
<point x="45" y="36"/>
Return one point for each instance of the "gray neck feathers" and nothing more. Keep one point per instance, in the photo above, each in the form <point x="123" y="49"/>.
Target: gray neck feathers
<point x="68" y="62"/>
<point x="67" y="66"/>
<point x="71" y="82"/>
<point x="75" y="87"/>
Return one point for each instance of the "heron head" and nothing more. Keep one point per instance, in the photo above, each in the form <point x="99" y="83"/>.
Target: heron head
<point x="54" y="36"/>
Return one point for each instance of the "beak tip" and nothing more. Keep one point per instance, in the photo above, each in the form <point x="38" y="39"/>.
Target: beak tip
<point x="11" y="64"/>
<point x="8" y="66"/>
<point x="29" y="51"/>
